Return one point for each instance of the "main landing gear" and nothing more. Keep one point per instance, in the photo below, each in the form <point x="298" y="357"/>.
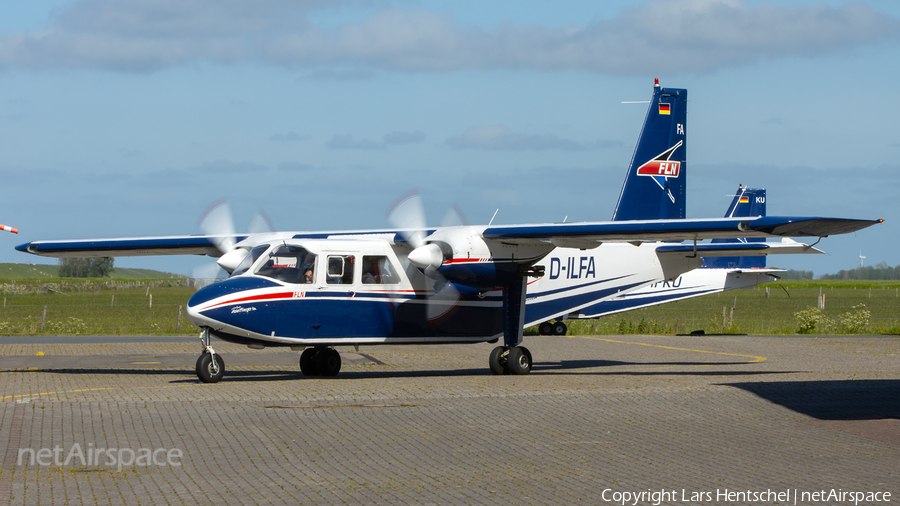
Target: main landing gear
<point x="320" y="362"/>
<point x="210" y="365"/>
<point x="510" y="360"/>
<point x="553" y="329"/>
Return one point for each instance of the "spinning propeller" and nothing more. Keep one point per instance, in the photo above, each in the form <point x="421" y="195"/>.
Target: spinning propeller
<point x="407" y="214"/>
<point x="217" y="221"/>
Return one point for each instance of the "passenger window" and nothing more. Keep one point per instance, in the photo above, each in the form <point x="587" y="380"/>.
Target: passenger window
<point x="290" y="264"/>
<point x="377" y="270"/>
<point x="340" y="270"/>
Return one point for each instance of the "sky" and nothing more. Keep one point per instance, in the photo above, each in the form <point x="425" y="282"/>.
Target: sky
<point x="128" y="118"/>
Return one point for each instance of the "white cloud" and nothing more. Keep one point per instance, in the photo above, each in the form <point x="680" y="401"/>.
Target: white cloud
<point x="226" y="167"/>
<point x="414" y="137"/>
<point x="346" y="141"/>
<point x="501" y="138"/>
<point x="288" y="137"/>
<point x="667" y="36"/>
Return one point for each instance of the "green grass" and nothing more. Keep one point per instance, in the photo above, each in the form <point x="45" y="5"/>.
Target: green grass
<point x="754" y="313"/>
<point x="109" y="307"/>
<point x="43" y="271"/>
<point x="88" y="308"/>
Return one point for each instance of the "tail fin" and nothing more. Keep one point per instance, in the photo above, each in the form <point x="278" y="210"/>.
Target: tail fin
<point x="656" y="180"/>
<point x="747" y="202"/>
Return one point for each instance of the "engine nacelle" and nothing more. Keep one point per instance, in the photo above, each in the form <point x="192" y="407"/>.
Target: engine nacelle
<point x="463" y="256"/>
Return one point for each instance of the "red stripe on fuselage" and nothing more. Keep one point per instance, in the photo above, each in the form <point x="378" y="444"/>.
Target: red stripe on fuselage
<point x="265" y="296"/>
<point x="462" y="260"/>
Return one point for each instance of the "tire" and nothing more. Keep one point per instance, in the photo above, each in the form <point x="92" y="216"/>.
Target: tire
<point x="197" y="365"/>
<point x="329" y="362"/>
<point x="207" y="371"/>
<point x="545" y="329"/>
<point x="309" y="366"/>
<point x="497" y="362"/>
<point x="560" y="329"/>
<point x="518" y="361"/>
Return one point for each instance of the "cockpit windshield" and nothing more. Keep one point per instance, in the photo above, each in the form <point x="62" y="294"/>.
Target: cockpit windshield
<point x="248" y="260"/>
<point x="290" y="264"/>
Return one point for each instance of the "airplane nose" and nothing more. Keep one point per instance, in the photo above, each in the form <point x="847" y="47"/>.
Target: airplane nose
<point x="221" y="290"/>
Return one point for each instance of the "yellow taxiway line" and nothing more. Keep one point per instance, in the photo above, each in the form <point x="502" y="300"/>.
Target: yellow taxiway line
<point x="755" y="358"/>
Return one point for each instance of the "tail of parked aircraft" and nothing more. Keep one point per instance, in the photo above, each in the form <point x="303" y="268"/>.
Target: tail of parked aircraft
<point x="747" y="202"/>
<point x="656" y="180"/>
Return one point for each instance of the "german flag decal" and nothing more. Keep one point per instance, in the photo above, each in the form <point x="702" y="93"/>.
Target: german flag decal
<point x="744" y="200"/>
<point x="664" y="108"/>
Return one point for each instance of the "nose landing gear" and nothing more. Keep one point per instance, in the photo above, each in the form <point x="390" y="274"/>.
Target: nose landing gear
<point x="210" y="365"/>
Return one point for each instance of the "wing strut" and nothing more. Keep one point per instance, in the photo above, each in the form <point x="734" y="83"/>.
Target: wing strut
<point x="514" y="311"/>
<point x="512" y="358"/>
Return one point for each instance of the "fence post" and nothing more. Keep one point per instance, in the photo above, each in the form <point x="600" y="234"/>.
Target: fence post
<point x="43" y="318"/>
<point x="151" y="301"/>
<point x="178" y="323"/>
<point x="113" y="301"/>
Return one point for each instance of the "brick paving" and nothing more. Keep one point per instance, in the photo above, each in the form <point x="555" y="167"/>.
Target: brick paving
<point x="431" y="425"/>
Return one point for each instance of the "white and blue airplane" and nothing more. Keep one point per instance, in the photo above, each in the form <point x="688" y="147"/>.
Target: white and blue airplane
<point x="461" y="284"/>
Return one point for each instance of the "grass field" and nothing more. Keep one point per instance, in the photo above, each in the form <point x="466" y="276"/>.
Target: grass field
<point x="44" y="271"/>
<point x="79" y="307"/>
<point x="121" y="307"/>
<point x="853" y="307"/>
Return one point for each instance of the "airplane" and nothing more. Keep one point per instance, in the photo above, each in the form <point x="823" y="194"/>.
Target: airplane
<point x="459" y="284"/>
<point x="717" y="274"/>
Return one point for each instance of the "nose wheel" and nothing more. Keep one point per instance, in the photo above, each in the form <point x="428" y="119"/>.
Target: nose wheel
<point x="210" y="365"/>
<point x="510" y="360"/>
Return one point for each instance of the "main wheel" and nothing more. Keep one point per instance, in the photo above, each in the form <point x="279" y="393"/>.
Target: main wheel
<point x="309" y="366"/>
<point x="209" y="370"/>
<point x="497" y="360"/>
<point x="518" y="361"/>
<point x="546" y="329"/>
<point x="560" y="329"/>
<point x="329" y="362"/>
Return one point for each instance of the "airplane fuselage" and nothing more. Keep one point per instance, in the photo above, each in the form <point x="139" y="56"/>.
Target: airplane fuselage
<point x="326" y="292"/>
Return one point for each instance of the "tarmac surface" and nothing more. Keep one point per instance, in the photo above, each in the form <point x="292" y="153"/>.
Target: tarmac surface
<point x="600" y="420"/>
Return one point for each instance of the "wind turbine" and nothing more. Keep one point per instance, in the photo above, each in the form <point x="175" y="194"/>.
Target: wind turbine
<point x="861" y="258"/>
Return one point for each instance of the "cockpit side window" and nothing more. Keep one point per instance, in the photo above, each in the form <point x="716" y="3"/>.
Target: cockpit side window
<point x="340" y="269"/>
<point x="378" y="270"/>
<point x="290" y="264"/>
<point x="249" y="260"/>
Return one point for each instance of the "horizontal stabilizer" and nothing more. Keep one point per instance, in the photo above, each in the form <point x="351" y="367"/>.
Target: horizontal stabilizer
<point x="739" y="249"/>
